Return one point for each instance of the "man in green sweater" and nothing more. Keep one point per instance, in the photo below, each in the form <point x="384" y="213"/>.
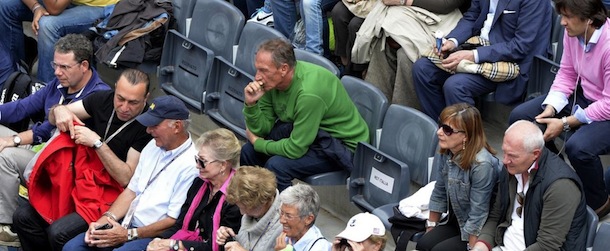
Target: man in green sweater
<point x="300" y="120"/>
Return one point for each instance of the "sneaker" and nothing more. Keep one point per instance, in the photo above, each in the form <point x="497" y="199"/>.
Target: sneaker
<point x="8" y="238"/>
<point x="262" y="17"/>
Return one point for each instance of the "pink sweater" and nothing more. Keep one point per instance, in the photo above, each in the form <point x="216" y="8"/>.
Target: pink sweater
<point x="594" y="69"/>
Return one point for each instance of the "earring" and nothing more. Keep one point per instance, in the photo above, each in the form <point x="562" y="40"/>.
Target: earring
<point x="463" y="144"/>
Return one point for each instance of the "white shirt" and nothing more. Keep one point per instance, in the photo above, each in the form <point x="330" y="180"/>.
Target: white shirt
<point x="514" y="238"/>
<point x="165" y="194"/>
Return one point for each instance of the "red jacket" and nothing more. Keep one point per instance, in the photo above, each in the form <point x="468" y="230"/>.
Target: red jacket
<point x="68" y="177"/>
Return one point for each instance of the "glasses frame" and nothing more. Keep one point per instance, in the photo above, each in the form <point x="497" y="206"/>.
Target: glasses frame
<point x="289" y="217"/>
<point x="63" y="67"/>
<point x="448" y="131"/>
<point x="203" y="163"/>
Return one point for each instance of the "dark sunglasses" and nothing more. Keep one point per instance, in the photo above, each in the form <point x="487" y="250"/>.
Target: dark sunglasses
<point x="520" y="200"/>
<point x="448" y="131"/>
<point x="202" y="163"/>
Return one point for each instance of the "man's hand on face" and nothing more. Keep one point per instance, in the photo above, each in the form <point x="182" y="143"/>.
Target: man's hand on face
<point x="253" y="92"/>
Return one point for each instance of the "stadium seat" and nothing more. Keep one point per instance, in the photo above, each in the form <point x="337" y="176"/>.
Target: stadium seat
<point x="602" y="237"/>
<point x="381" y="176"/>
<point x="313" y="58"/>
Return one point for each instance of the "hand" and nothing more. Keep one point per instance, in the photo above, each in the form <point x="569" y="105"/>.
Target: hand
<point x="251" y="136"/>
<point x="38" y="13"/>
<point x="549" y="112"/>
<point x="159" y="244"/>
<point x="554" y="127"/>
<point x="280" y="242"/>
<point x="337" y="246"/>
<point x="85" y="136"/>
<point x="479" y="246"/>
<point x="253" y="92"/>
<point x="64" y="119"/>
<point x="222" y="234"/>
<point x="447" y="47"/>
<point x="428" y="229"/>
<point x="234" y="246"/>
<point x="6" y="142"/>
<point x="102" y="238"/>
<point x="452" y="61"/>
<point x="354" y="246"/>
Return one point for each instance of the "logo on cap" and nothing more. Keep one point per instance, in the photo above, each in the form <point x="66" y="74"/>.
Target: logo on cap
<point x="152" y="106"/>
<point x="353" y="223"/>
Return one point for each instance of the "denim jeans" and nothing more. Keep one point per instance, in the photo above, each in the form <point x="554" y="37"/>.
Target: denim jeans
<point x="285" y="16"/>
<point x="78" y="244"/>
<point x="74" y="19"/>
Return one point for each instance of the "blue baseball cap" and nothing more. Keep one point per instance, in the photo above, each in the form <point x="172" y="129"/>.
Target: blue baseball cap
<point x="163" y="107"/>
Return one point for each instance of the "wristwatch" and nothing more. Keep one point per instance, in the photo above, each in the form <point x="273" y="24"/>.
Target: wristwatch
<point x="431" y="223"/>
<point x="566" y="126"/>
<point x="175" y="245"/>
<point x="97" y="144"/>
<point x="16" y="140"/>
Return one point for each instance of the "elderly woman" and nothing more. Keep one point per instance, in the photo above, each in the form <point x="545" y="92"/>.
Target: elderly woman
<point x="299" y="209"/>
<point x="254" y="191"/>
<point x="467" y="176"/>
<point x="364" y="232"/>
<point x="206" y="208"/>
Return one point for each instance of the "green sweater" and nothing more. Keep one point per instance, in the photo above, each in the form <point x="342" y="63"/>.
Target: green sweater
<point x="316" y="99"/>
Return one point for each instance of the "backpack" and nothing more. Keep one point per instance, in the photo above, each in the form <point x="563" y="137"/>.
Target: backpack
<point x="18" y="86"/>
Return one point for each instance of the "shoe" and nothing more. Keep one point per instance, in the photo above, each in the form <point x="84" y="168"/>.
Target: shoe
<point x="603" y="210"/>
<point x="8" y="238"/>
<point x="262" y="17"/>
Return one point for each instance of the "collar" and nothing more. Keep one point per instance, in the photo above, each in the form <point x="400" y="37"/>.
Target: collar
<point x="593" y="41"/>
<point x="522" y="186"/>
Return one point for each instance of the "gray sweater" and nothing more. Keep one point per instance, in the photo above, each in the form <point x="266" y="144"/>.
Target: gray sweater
<point x="260" y="235"/>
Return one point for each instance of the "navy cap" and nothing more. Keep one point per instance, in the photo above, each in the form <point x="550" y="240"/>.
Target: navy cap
<point x="163" y="107"/>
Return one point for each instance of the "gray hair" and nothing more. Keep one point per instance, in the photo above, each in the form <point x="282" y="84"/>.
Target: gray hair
<point x="77" y="44"/>
<point x="528" y="133"/>
<point x="304" y="198"/>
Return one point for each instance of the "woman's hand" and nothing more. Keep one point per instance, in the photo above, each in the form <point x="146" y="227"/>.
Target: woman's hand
<point x="38" y="13"/>
<point x="222" y="234"/>
<point x="159" y="244"/>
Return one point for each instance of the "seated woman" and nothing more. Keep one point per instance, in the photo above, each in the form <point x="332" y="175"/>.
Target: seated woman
<point x="254" y="191"/>
<point x="299" y="209"/>
<point x="206" y="208"/>
<point x="363" y="232"/>
<point x="466" y="179"/>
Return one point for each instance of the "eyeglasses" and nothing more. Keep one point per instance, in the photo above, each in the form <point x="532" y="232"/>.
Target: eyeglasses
<point x="288" y="216"/>
<point x="448" y="131"/>
<point x="520" y="200"/>
<point x="62" y="67"/>
<point x="203" y="163"/>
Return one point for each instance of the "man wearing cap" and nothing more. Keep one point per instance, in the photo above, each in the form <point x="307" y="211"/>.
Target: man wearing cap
<point x="364" y="231"/>
<point x="117" y="138"/>
<point x="153" y="199"/>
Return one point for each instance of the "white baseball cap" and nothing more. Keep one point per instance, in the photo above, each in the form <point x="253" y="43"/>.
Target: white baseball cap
<point x="362" y="226"/>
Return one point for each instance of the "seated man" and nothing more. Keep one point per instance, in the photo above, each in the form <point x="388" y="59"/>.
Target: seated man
<point x="112" y="115"/>
<point x="50" y="21"/>
<point x="517" y="30"/>
<point x="583" y="81"/>
<point x="540" y="203"/>
<point x="300" y="120"/>
<point x="70" y="84"/>
<point x="409" y="37"/>
<point x="152" y="201"/>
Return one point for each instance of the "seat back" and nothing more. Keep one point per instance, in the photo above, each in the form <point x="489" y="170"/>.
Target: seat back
<point x="313" y="58"/>
<point x="253" y="35"/>
<point x="592" y="221"/>
<point x="224" y="99"/>
<point x="381" y="176"/>
<point x="602" y="237"/>
<point x="184" y="68"/>
<point x="541" y="78"/>
<point x="183" y="10"/>
<point x="217" y="26"/>
<point x="409" y="136"/>
<point x="370" y="101"/>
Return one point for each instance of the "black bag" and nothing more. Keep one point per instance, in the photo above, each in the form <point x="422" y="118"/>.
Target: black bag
<point x="18" y="86"/>
<point x="403" y="228"/>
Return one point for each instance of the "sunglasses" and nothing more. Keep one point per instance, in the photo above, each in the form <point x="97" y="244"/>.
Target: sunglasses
<point x="202" y="163"/>
<point x="520" y="200"/>
<point x="448" y="131"/>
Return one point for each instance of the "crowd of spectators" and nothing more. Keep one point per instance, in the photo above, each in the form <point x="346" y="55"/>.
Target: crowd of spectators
<point x="132" y="185"/>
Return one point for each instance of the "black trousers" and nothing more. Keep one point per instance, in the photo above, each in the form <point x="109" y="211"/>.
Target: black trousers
<point x="443" y="237"/>
<point x="36" y="234"/>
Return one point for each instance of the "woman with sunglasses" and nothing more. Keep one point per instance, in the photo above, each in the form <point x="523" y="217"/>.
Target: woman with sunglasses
<point x="467" y="176"/>
<point x="206" y="208"/>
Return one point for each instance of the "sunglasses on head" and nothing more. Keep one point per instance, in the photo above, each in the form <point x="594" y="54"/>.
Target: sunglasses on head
<point x="448" y="131"/>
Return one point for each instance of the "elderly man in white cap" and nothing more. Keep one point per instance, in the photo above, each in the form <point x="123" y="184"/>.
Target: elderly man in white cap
<point x="364" y="231"/>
